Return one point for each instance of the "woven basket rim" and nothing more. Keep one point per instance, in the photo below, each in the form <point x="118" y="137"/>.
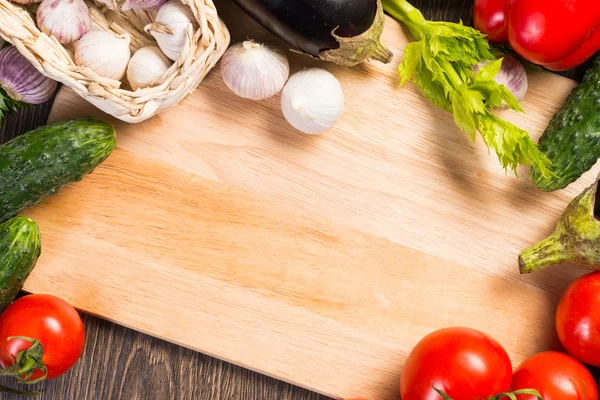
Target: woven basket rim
<point x="204" y="48"/>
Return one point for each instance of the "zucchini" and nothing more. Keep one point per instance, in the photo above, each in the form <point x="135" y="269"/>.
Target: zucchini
<point x="572" y="140"/>
<point x="20" y="247"/>
<point x="41" y="162"/>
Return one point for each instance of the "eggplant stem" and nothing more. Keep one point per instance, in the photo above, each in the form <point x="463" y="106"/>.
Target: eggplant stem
<point x="381" y="53"/>
<point x="546" y="253"/>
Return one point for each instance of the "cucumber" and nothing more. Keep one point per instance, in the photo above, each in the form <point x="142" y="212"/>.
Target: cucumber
<point x="41" y="162"/>
<point x="572" y="140"/>
<point x="20" y="247"/>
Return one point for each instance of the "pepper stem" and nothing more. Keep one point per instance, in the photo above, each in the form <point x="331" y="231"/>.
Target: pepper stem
<point x="546" y="253"/>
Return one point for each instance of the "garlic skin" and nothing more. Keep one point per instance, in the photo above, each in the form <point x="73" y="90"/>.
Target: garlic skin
<point x="512" y="75"/>
<point x="170" y="28"/>
<point x="104" y="53"/>
<point x="255" y="71"/>
<point x="312" y="101"/>
<point x="147" y="65"/>
<point x="21" y="81"/>
<point x="143" y="4"/>
<point x="66" y="20"/>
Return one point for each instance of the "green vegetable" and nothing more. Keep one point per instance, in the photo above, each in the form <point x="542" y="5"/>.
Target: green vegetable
<point x="572" y="140"/>
<point x="441" y="64"/>
<point x="576" y="238"/>
<point x="7" y="104"/>
<point x="20" y="247"/>
<point x="41" y="162"/>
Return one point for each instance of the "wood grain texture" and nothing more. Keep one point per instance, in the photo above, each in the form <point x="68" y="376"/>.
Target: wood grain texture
<point x="119" y="363"/>
<point x="208" y="378"/>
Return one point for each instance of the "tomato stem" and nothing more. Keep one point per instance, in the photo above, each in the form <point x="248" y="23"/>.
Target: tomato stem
<point x="25" y="364"/>
<point x="510" y="395"/>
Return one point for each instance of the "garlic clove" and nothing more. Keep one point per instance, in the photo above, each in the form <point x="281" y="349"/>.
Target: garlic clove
<point x="104" y="53"/>
<point x="312" y="101"/>
<point x="66" y="20"/>
<point x="255" y="71"/>
<point x="21" y="80"/>
<point x="147" y="66"/>
<point x="170" y="28"/>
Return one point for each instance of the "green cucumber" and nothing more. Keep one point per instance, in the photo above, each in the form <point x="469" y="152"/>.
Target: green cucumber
<point x="572" y="140"/>
<point x="20" y="247"/>
<point x="39" y="163"/>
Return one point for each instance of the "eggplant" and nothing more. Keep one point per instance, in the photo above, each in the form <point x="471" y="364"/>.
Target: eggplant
<point x="345" y="32"/>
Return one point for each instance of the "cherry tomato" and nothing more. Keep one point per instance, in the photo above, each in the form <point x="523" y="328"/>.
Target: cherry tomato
<point x="556" y="376"/>
<point x="578" y="319"/>
<point x="52" y="321"/>
<point x="463" y="363"/>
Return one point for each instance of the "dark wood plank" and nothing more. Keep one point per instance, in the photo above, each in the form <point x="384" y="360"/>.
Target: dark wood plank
<point x="119" y="363"/>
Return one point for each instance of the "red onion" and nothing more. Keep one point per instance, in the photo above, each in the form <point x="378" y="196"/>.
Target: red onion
<point x="20" y="79"/>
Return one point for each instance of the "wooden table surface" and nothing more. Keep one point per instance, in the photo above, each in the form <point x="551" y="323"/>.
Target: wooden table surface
<point x="119" y="363"/>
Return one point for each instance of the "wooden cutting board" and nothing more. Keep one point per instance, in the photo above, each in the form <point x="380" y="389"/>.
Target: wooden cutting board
<point x="319" y="260"/>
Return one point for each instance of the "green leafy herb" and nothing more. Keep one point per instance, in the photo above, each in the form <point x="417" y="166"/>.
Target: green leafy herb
<point x="441" y="62"/>
<point x="7" y="104"/>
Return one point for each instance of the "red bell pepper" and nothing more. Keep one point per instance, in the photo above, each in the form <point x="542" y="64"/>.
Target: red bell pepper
<point x="556" y="34"/>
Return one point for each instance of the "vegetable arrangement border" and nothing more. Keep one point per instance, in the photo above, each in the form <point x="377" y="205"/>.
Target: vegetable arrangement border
<point x="202" y="51"/>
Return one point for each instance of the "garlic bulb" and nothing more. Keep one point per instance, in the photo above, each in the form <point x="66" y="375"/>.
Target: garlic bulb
<point x="170" y="28"/>
<point x="254" y="71"/>
<point x="312" y="101"/>
<point x="512" y="75"/>
<point x="143" y="4"/>
<point x="147" y="65"/>
<point x="104" y="53"/>
<point x="66" y="20"/>
<point x="21" y="81"/>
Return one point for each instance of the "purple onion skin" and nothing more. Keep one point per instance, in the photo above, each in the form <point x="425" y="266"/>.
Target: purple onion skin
<point x="20" y="79"/>
<point x="143" y="4"/>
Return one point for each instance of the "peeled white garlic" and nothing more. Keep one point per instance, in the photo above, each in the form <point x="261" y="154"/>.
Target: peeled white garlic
<point x="104" y="53"/>
<point x="147" y="65"/>
<point x="66" y="20"/>
<point x="170" y="28"/>
<point x="312" y="101"/>
<point x="254" y="71"/>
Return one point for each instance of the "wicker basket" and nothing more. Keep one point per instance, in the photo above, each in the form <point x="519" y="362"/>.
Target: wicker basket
<point x="202" y="51"/>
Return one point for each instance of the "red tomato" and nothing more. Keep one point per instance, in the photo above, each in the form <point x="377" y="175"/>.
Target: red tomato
<point x="53" y="321"/>
<point x="556" y="376"/>
<point x="578" y="319"/>
<point x="463" y="363"/>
